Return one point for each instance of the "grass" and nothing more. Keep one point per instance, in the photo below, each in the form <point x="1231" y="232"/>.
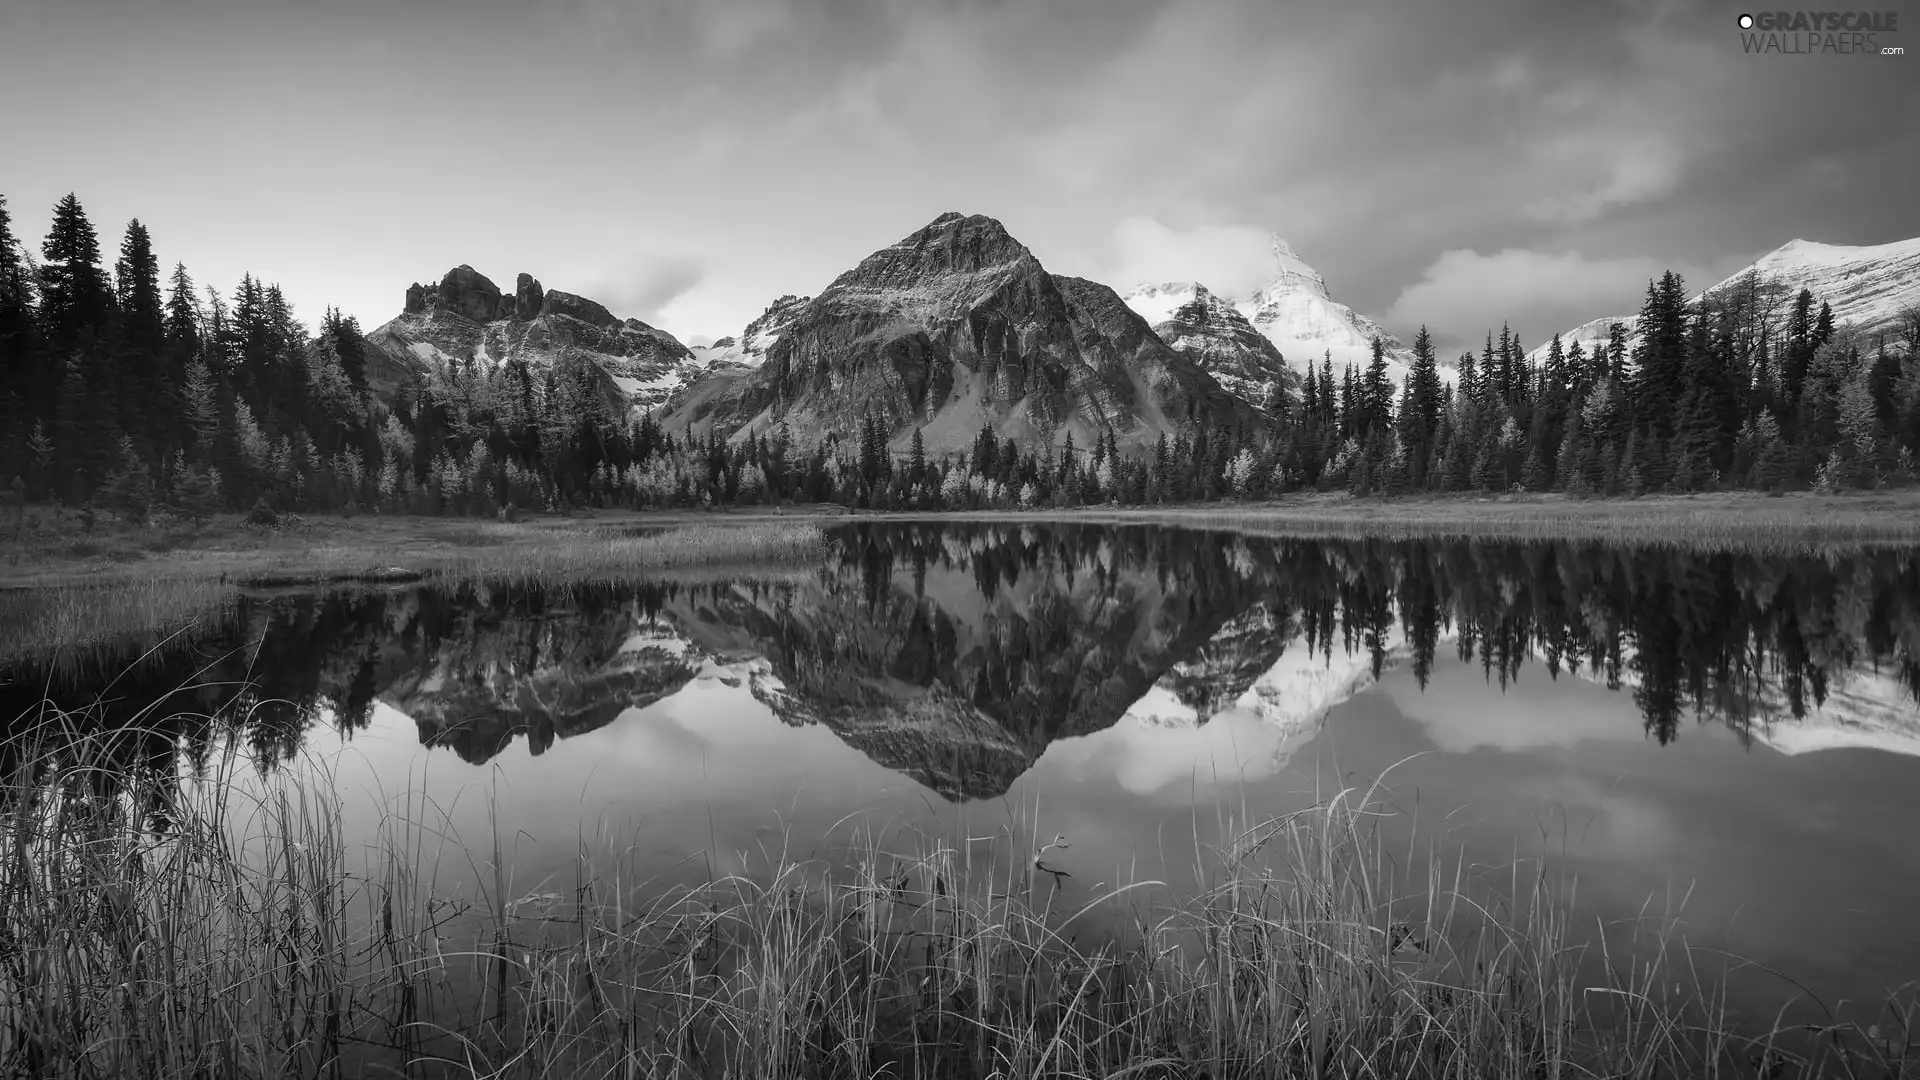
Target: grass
<point x="73" y="608"/>
<point x="611" y="554"/>
<point x="74" y="620"/>
<point x="249" y="939"/>
<point x="1743" y="521"/>
<point x="49" y="550"/>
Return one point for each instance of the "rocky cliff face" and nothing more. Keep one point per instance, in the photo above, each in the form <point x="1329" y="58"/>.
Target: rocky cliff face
<point x="1207" y="329"/>
<point x="466" y="317"/>
<point x="955" y="327"/>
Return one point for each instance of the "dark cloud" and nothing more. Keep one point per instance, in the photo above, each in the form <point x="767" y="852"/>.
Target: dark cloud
<point x="784" y="140"/>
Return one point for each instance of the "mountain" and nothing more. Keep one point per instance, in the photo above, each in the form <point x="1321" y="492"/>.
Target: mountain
<point x="954" y="327"/>
<point x="467" y="317"/>
<point x="1303" y="320"/>
<point x="1207" y="329"/>
<point x="750" y="348"/>
<point x="1871" y="288"/>
<point x="1294" y="312"/>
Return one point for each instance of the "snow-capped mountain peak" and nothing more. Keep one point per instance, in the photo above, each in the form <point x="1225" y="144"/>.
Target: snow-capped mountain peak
<point x="1870" y="287"/>
<point x="1207" y="329"/>
<point x="1294" y="311"/>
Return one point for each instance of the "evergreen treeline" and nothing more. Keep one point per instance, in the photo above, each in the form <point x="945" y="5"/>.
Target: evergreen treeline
<point x="128" y="391"/>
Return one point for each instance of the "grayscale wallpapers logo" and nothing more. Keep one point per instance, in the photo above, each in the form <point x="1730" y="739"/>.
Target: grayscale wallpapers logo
<point x="1819" y="33"/>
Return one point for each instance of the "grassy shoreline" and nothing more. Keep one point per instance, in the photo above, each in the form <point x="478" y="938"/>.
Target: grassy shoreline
<point x="324" y="550"/>
<point x="51" y="601"/>
<point x="372" y="548"/>
<point x="251" y="938"/>
<point x="1728" y="520"/>
<point x="59" y="590"/>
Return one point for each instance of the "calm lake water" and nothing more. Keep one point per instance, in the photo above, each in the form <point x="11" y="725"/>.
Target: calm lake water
<point x="1729" y="738"/>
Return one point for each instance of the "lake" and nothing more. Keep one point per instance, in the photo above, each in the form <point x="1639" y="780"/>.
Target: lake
<point x="1728" y="743"/>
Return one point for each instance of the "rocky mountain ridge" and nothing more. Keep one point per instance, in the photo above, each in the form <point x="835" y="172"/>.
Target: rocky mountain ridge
<point x="956" y="327"/>
<point x="466" y="317"/>
<point x="1205" y="327"/>
<point x="1874" y="289"/>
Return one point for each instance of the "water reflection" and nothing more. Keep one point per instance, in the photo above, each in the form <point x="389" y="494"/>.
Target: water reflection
<point x="956" y="655"/>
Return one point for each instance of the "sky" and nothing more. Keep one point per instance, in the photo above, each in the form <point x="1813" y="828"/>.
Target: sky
<point x="687" y="161"/>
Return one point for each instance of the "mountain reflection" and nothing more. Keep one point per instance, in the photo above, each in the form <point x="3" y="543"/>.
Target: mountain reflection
<point x="956" y="654"/>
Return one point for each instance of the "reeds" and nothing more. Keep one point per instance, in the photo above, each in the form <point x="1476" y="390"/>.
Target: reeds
<point x="245" y="939"/>
<point x="38" y="625"/>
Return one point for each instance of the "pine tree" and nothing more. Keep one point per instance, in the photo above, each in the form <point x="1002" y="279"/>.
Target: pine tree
<point x="916" y="459"/>
<point x="137" y="284"/>
<point x="1376" y="393"/>
<point x="139" y="367"/>
<point x="1162" y="465"/>
<point x="1329" y="416"/>
<point x="1660" y="373"/>
<point x="985" y="449"/>
<point x="74" y="301"/>
<point x="1883" y="381"/>
<point x="1349" y="405"/>
<point x="1799" y="350"/>
<point x="1617" y="352"/>
<point x="26" y="385"/>
<point x="1420" y="414"/>
<point x="343" y="331"/>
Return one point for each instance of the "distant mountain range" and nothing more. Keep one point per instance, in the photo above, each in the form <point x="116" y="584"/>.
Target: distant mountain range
<point x="1871" y="288"/>
<point x="958" y="326"/>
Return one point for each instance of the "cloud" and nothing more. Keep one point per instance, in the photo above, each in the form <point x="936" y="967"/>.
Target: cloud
<point x="1232" y="260"/>
<point x="1463" y="293"/>
<point x="642" y="289"/>
<point x="1587" y="184"/>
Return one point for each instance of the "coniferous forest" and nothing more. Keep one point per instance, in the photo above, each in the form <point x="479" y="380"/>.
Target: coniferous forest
<point x="132" y="388"/>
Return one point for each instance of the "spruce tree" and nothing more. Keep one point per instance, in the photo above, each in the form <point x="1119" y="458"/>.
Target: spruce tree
<point x="1799" y="350"/>
<point x="26" y="384"/>
<point x="139" y="368"/>
<point x="1659" y="377"/>
<point x="74" y="302"/>
<point x="1617" y="352"/>
<point x="1376" y="393"/>
<point x="1419" y="419"/>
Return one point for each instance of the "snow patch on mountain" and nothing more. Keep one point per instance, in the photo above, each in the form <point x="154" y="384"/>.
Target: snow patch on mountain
<point x="1156" y="303"/>
<point x="750" y="348"/>
<point x="1297" y="314"/>
<point x="1207" y="329"/>
<point x="1870" y="287"/>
